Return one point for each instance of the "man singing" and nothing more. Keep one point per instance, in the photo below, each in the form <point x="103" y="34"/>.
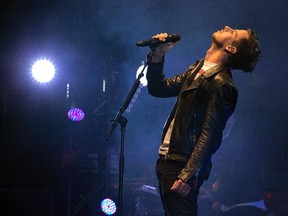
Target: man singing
<point x="206" y="98"/>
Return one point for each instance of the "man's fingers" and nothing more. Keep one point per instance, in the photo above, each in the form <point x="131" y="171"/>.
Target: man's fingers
<point x="175" y="186"/>
<point x="161" y="36"/>
<point x="181" y="187"/>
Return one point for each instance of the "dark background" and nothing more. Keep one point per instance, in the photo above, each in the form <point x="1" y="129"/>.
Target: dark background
<point x="91" y="41"/>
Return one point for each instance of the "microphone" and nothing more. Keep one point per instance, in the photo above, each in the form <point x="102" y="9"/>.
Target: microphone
<point x="155" y="42"/>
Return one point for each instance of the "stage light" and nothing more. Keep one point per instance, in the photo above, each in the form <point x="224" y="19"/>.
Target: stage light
<point x="76" y="114"/>
<point x="143" y="82"/>
<point x="143" y="79"/>
<point x="104" y="86"/>
<point x="108" y="206"/>
<point x="43" y="70"/>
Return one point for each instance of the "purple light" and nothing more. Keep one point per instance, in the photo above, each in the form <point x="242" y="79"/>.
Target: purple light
<point x="76" y="114"/>
<point x="108" y="206"/>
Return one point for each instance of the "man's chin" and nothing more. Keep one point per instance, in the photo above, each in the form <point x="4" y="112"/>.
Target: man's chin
<point x="214" y="37"/>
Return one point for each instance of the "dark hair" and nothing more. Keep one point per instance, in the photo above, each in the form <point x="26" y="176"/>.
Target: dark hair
<point x="248" y="53"/>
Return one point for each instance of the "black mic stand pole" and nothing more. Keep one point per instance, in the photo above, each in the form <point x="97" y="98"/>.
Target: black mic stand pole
<point x="123" y="121"/>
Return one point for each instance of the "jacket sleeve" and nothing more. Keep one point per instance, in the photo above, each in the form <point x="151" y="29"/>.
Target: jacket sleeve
<point x="221" y="103"/>
<point x="158" y="85"/>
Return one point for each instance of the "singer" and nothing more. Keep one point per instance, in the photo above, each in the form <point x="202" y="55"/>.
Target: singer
<point x="206" y="98"/>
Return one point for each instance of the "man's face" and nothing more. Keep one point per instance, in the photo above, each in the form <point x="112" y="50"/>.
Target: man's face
<point x="227" y="36"/>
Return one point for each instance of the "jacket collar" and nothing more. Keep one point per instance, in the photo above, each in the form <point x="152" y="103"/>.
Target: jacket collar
<point x="212" y="71"/>
<point x="209" y="73"/>
<point x="216" y="69"/>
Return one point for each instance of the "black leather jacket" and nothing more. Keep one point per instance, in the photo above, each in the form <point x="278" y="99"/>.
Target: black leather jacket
<point x="202" y="108"/>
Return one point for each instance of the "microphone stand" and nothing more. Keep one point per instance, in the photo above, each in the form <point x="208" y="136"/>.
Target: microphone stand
<point x="123" y="121"/>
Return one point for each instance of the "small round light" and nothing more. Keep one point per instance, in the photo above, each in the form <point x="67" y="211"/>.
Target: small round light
<point x="76" y="114"/>
<point x="108" y="206"/>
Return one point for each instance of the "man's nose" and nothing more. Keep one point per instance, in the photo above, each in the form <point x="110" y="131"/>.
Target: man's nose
<point x="228" y="28"/>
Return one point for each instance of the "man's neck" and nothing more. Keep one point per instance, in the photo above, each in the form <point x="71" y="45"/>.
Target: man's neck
<point x="217" y="56"/>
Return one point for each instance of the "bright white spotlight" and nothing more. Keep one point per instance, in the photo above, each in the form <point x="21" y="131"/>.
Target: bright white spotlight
<point x="43" y="70"/>
<point x="108" y="206"/>
<point x="143" y="79"/>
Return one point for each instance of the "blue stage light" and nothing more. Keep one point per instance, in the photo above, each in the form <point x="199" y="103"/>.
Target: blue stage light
<point x="108" y="206"/>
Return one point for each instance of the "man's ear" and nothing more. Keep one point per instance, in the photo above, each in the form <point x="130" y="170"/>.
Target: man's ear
<point x="231" y="49"/>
